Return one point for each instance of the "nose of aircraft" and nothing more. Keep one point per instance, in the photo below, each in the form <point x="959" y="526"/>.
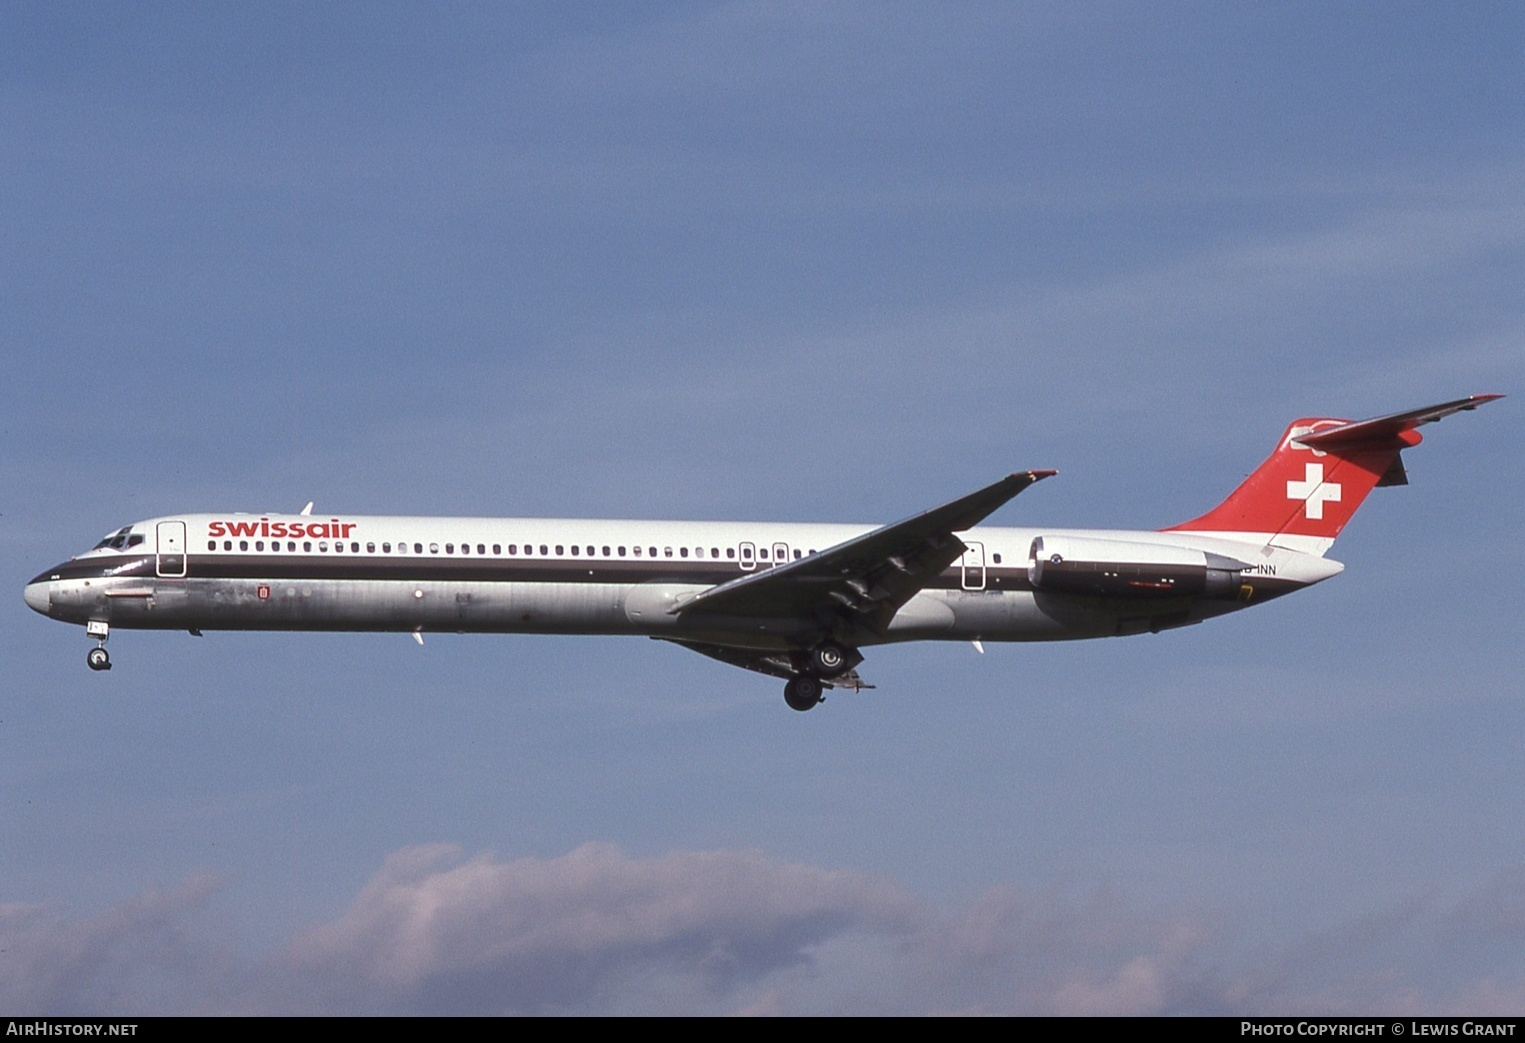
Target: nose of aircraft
<point x="36" y="595"/>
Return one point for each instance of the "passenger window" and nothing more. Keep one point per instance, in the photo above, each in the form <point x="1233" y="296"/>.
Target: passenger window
<point x="355" y="548"/>
<point x="997" y="559"/>
<point x="762" y="552"/>
<point x="606" y="552"/>
<point x="450" y="549"/>
<point x="497" y="548"/>
<point x="682" y="552"/>
<point x="482" y="549"/>
<point x="544" y="550"/>
<point x="622" y="552"/>
<point x="386" y="548"/>
<point x="323" y="546"/>
<point x="338" y="547"/>
<point x="418" y="548"/>
<point x="259" y="544"/>
<point x="370" y="548"/>
<point x="560" y="550"/>
<point x="243" y="544"/>
<point x="797" y="555"/>
<point x="275" y="544"/>
<point x="590" y="552"/>
<point x="714" y="552"/>
<point x="211" y="544"/>
<point x="291" y="545"/>
<point x="653" y="551"/>
<point x="307" y="546"/>
<point x="667" y="551"/>
<point x="638" y="552"/>
<point x="730" y="552"/>
<point x="575" y="550"/>
<point x="434" y="548"/>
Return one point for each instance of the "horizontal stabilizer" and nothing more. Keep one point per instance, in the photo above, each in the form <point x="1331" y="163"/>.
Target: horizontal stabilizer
<point x="1384" y="428"/>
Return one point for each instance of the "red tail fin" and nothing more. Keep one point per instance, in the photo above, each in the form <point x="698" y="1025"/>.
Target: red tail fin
<point x="1307" y="490"/>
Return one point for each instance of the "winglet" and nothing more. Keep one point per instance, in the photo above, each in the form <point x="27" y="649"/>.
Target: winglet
<point x="307" y="509"/>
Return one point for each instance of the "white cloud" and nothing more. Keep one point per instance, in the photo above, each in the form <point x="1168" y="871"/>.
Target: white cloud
<point x="599" y="931"/>
<point x="580" y="931"/>
<point x="134" y="956"/>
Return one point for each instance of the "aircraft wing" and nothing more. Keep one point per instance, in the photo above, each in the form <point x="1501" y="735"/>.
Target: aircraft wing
<point x="866" y="579"/>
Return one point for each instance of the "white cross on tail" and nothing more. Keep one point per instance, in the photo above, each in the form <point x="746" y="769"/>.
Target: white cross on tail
<point x="1313" y="492"/>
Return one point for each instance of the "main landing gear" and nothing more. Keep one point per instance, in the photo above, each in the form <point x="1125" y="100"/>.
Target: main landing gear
<point x="802" y="692"/>
<point x="829" y="659"/>
<point x="824" y="662"/>
<point x="98" y="658"/>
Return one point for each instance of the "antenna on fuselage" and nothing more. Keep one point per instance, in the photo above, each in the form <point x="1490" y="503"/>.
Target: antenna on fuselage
<point x="307" y="509"/>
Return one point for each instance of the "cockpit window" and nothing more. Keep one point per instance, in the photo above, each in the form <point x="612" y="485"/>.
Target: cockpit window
<point x="117" y="540"/>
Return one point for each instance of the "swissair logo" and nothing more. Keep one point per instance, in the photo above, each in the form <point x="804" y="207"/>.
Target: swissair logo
<point x="1298" y="430"/>
<point x="1313" y="491"/>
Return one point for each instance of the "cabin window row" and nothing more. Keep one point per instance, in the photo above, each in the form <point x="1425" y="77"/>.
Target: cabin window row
<point x="514" y="549"/>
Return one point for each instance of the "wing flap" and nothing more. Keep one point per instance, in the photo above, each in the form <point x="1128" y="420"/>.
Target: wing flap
<point x="774" y="664"/>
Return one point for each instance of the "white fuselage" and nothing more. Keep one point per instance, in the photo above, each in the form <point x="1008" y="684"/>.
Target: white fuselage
<point x="519" y="575"/>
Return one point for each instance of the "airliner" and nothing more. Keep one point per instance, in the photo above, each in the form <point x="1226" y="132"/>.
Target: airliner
<point x="796" y="601"/>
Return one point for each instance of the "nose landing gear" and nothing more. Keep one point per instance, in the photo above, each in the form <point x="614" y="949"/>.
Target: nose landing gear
<point x="98" y="658"/>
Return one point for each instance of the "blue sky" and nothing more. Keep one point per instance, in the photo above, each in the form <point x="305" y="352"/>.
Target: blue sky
<point x="770" y="261"/>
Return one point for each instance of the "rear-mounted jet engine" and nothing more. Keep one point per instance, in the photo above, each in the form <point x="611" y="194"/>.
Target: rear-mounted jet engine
<point x="1095" y="567"/>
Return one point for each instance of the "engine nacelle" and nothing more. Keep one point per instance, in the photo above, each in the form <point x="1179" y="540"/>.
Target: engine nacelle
<point x="1119" y="569"/>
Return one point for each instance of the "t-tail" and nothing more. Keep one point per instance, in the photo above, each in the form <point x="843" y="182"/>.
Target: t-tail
<point x="1307" y="490"/>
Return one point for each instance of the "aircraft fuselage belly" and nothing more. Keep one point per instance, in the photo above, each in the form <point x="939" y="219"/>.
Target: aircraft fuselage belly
<point x="588" y="608"/>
